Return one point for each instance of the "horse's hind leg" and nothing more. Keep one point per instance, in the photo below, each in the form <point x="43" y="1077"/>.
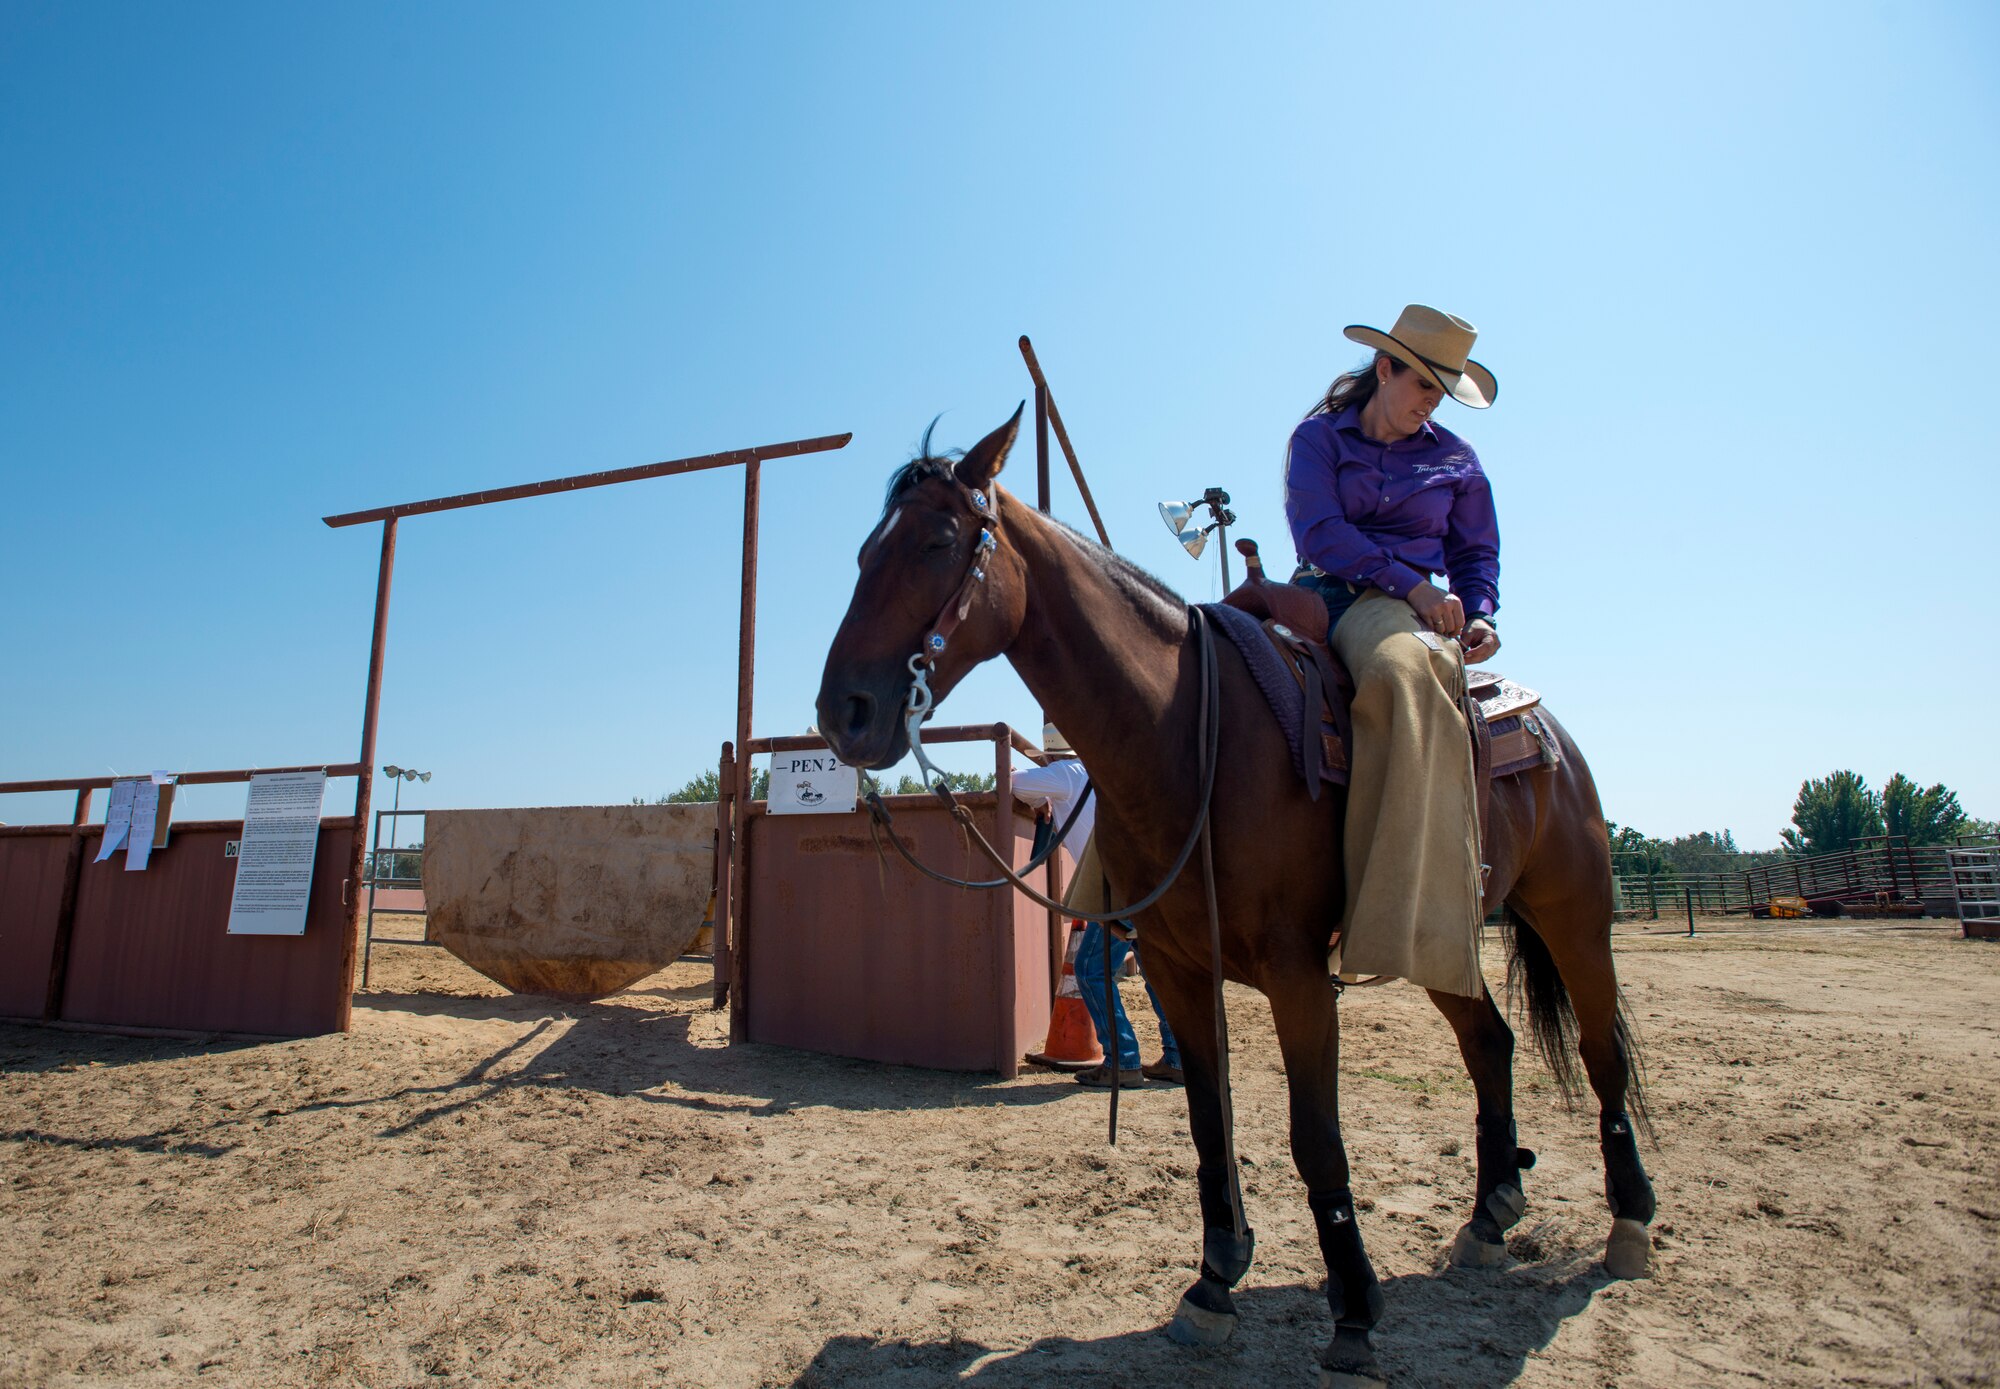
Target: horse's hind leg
<point x="1564" y="949"/>
<point x="1487" y="1044"/>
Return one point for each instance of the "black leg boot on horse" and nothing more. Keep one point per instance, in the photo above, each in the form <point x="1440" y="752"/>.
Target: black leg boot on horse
<point x="1499" y="1200"/>
<point x="1206" y="1314"/>
<point x="1571" y="991"/>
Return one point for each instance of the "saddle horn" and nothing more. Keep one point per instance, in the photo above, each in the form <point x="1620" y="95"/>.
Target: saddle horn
<point x="1248" y="549"/>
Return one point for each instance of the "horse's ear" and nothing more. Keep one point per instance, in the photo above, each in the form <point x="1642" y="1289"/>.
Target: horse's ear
<point x="987" y="457"/>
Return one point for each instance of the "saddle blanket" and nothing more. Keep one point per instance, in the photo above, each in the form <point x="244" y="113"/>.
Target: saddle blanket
<point x="1523" y="733"/>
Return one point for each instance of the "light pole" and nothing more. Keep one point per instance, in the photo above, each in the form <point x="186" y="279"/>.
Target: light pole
<point x="399" y="775"/>
<point x="1179" y="517"/>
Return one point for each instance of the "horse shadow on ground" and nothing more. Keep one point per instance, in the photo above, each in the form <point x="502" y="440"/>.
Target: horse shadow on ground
<point x="1454" y="1327"/>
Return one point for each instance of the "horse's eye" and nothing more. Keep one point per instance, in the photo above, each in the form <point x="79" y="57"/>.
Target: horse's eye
<point x="941" y="540"/>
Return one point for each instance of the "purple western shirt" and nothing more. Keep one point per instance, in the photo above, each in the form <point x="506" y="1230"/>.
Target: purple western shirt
<point x="1389" y="516"/>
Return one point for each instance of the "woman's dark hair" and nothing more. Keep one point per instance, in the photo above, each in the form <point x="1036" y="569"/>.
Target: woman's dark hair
<point x="1354" y="387"/>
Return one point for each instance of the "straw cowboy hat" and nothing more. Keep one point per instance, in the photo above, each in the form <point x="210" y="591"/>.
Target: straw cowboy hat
<point x="1435" y="344"/>
<point x="1054" y="743"/>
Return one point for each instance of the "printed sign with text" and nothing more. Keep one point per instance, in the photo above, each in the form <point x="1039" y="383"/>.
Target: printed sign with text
<point x="811" y="783"/>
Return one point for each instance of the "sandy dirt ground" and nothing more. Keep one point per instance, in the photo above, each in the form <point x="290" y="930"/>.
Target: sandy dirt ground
<point x="474" y="1188"/>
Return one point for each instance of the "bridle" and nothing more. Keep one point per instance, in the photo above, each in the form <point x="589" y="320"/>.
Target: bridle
<point x="917" y="706"/>
<point x="919" y="703"/>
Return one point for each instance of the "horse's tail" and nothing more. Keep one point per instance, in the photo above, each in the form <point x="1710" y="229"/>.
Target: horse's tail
<point x="1536" y="984"/>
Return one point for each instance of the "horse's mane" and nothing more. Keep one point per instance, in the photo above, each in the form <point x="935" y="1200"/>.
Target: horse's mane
<point x="1140" y="583"/>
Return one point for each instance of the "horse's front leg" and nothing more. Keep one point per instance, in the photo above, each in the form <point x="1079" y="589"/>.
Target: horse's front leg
<point x="1498" y="1202"/>
<point x="1304" y="1008"/>
<point x="1207" y="1313"/>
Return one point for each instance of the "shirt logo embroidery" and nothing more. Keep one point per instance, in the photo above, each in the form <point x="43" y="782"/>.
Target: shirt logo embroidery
<point x="1453" y="463"/>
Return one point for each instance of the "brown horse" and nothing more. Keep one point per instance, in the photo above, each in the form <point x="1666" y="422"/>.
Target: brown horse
<point x="967" y="572"/>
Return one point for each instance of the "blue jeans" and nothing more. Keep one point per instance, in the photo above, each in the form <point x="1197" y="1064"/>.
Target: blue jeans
<point x="1337" y="594"/>
<point x="1090" y="983"/>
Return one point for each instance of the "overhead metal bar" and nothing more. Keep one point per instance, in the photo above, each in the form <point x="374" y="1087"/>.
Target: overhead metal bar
<point x="99" y="783"/>
<point x="582" y="480"/>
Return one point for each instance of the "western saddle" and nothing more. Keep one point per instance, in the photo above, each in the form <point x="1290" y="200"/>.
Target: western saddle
<point x="1510" y="732"/>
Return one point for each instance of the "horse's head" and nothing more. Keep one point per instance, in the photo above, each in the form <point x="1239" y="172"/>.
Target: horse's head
<point x="914" y="567"/>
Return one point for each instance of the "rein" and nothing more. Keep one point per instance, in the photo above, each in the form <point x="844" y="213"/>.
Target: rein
<point x="918" y="707"/>
<point x="1211" y="725"/>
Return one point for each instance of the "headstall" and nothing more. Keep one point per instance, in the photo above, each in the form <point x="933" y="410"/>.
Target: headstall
<point x="919" y="703"/>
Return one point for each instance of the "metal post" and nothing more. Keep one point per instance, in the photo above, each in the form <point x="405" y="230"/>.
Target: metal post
<point x="1690" y="907"/>
<point x="1002" y="910"/>
<point x="746" y="677"/>
<point x="1042" y="446"/>
<point x="1062" y="438"/>
<point x="82" y="816"/>
<point x="374" y="875"/>
<point x="720" y="961"/>
<point x="1653" y="892"/>
<point x="1222" y="547"/>
<point x="364" y="788"/>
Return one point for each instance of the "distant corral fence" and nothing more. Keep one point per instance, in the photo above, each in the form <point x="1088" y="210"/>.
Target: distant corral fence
<point x="1885" y="871"/>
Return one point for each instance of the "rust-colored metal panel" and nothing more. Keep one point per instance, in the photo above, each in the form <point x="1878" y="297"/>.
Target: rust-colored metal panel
<point x="858" y="956"/>
<point x="151" y="949"/>
<point x="31" y="887"/>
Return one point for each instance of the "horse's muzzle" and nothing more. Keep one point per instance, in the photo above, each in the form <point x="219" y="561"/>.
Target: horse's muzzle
<point x="863" y="731"/>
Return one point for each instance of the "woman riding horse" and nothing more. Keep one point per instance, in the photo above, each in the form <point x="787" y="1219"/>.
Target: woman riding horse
<point x="1380" y="497"/>
<point x="956" y="572"/>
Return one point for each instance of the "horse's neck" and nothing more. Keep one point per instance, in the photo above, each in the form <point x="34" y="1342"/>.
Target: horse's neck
<point x="1102" y="654"/>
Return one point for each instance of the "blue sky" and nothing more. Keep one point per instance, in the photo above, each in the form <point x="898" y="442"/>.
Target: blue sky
<point x="1731" y="264"/>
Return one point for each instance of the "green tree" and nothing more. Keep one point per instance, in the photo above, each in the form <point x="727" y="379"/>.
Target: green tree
<point x="1928" y="815"/>
<point x="706" y="787"/>
<point x="1831" y="813"/>
<point x="961" y="782"/>
<point x="1633" y="853"/>
<point x="1702" y="852"/>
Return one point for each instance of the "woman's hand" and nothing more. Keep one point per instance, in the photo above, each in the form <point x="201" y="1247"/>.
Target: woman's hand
<point x="1479" y="640"/>
<point x="1438" y="610"/>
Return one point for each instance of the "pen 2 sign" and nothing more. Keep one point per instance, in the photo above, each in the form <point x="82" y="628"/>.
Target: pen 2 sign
<point x="811" y="783"/>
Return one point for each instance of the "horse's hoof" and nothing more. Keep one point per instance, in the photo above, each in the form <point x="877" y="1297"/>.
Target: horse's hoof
<point x="1348" y="1362"/>
<point x="1197" y="1326"/>
<point x="1470" y="1251"/>
<point x="1629" y="1251"/>
<point x="1507" y="1205"/>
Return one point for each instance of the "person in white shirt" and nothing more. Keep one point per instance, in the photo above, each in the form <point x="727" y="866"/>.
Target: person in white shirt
<point x="1060" y="783"/>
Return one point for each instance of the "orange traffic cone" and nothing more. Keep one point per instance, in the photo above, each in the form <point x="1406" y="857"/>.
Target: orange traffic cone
<point x="1072" y="1042"/>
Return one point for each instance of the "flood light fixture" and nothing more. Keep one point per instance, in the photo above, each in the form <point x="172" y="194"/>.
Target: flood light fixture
<point x="1193" y="536"/>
